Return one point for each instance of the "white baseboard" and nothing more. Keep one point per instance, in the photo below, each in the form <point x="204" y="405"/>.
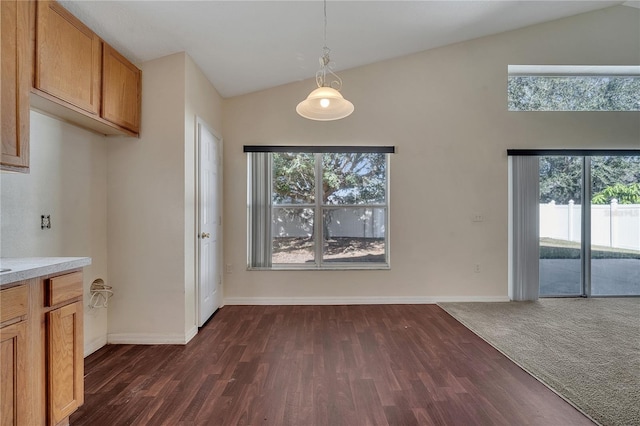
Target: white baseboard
<point x="191" y="334"/>
<point x="376" y="300"/>
<point x="94" y="345"/>
<point x="182" y="339"/>
<point x="447" y="299"/>
<point x="150" y="338"/>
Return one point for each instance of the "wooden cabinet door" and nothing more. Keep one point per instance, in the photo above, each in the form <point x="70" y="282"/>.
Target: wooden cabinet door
<point x="65" y="361"/>
<point x="121" y="86"/>
<point x="15" y="82"/>
<point x="68" y="57"/>
<point x="13" y="374"/>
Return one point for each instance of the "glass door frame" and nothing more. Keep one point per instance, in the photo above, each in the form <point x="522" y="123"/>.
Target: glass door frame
<point x="524" y="221"/>
<point x="585" y="243"/>
<point x="586" y="287"/>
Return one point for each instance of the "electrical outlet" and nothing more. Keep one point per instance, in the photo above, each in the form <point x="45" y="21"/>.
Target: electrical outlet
<point x="45" y="221"/>
<point x="228" y="268"/>
<point x="477" y="217"/>
<point x="476" y="268"/>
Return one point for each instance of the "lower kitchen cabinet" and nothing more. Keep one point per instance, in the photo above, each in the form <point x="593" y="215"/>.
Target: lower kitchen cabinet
<point x="41" y="350"/>
<point x="65" y="361"/>
<point x="13" y="375"/>
<point x="14" y="353"/>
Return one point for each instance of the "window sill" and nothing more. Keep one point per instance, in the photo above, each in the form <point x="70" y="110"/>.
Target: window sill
<point x="336" y="267"/>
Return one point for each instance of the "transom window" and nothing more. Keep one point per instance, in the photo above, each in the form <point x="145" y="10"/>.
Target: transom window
<point x="318" y="207"/>
<point x="573" y="88"/>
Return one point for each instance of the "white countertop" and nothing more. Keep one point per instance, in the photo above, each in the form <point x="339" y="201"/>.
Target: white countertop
<point x="24" y="268"/>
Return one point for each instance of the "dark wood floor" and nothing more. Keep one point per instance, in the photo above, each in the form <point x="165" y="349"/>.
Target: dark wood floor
<point x="319" y="365"/>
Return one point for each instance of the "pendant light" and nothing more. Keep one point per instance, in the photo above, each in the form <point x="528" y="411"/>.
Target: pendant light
<point x="325" y="103"/>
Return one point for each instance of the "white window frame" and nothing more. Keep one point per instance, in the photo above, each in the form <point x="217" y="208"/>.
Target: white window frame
<point x="259" y="241"/>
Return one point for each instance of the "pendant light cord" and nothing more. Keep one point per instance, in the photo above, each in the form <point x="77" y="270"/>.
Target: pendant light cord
<point x="326" y="66"/>
<point x="325" y="24"/>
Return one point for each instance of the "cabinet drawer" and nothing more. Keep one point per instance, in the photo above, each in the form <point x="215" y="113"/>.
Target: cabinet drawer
<point x="63" y="288"/>
<point x="13" y="303"/>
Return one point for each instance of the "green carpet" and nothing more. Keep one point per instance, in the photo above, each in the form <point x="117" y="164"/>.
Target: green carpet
<point x="586" y="350"/>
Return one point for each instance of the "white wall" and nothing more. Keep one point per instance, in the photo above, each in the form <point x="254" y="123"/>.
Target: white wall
<point x="201" y="101"/>
<point x="129" y="203"/>
<point x="151" y="211"/>
<point x="68" y="181"/>
<point x="445" y="110"/>
<point x="149" y="217"/>
<point x="145" y="213"/>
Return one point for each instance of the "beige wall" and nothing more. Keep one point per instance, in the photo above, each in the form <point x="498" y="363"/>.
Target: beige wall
<point x="445" y="111"/>
<point x="151" y="213"/>
<point x="201" y="101"/>
<point x="146" y="213"/>
<point x="129" y="203"/>
<point x="68" y="181"/>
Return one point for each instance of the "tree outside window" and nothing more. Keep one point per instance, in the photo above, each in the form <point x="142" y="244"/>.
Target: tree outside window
<point x="347" y="190"/>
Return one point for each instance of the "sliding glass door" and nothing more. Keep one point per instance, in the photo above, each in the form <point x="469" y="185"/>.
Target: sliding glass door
<point x="589" y="225"/>
<point x="615" y="226"/>
<point x="561" y="191"/>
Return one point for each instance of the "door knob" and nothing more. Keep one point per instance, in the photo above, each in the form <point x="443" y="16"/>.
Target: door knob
<point x="205" y="235"/>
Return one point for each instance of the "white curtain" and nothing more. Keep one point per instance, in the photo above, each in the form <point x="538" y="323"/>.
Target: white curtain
<point x="259" y="206"/>
<point x="524" y="255"/>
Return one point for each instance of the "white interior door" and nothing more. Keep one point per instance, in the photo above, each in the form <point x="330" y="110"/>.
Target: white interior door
<point x="210" y="279"/>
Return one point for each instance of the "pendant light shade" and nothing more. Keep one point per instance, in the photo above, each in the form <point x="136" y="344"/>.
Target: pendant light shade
<point x="324" y="104"/>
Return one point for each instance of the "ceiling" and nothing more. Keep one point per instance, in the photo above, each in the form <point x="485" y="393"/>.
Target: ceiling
<point x="245" y="46"/>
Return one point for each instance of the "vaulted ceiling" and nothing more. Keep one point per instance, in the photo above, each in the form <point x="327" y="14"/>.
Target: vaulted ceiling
<point x="245" y="46"/>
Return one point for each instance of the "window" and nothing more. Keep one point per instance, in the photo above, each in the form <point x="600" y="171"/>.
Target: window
<point x="318" y="207"/>
<point x="573" y="88"/>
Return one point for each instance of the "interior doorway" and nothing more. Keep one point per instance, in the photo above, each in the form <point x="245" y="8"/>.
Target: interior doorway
<point x="209" y="236"/>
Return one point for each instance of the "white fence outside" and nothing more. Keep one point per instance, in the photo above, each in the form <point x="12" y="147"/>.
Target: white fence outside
<point x="344" y="222"/>
<point x="614" y="225"/>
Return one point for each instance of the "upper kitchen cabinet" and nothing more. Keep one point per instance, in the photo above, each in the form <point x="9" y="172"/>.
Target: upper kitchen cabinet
<point x="81" y="79"/>
<point x="120" y="90"/>
<point x="68" y="58"/>
<point x="15" y="83"/>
